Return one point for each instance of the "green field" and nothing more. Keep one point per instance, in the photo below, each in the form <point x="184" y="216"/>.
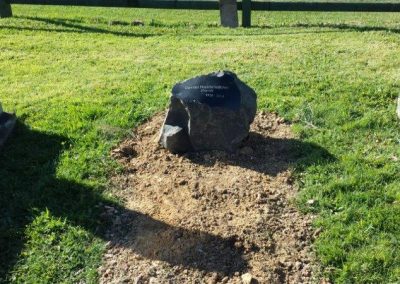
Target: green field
<point x="79" y="85"/>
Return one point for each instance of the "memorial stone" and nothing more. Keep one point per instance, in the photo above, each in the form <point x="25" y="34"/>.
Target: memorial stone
<point x="209" y="112"/>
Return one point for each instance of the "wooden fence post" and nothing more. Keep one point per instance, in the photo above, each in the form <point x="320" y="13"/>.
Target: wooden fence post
<point x="5" y="9"/>
<point x="228" y="13"/>
<point x="246" y="13"/>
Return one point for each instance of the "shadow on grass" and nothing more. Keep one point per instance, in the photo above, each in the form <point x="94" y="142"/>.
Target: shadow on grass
<point x="156" y="240"/>
<point x="271" y="156"/>
<point x="76" y="26"/>
<point x="342" y="27"/>
<point x="29" y="185"/>
<point x="73" y="27"/>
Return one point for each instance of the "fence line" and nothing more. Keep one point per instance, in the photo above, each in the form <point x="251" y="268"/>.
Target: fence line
<point x="326" y="6"/>
<point x="245" y="5"/>
<point x="214" y="5"/>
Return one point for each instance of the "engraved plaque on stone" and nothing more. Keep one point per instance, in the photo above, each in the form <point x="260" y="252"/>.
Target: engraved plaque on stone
<point x="215" y="90"/>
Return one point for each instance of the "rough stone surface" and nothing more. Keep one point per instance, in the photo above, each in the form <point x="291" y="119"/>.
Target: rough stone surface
<point x="175" y="139"/>
<point x="209" y="112"/>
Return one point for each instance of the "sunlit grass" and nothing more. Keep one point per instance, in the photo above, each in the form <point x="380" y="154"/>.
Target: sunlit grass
<point x="79" y="85"/>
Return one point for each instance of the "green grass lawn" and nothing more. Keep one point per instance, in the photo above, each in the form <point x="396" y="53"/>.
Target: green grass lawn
<point x="79" y="85"/>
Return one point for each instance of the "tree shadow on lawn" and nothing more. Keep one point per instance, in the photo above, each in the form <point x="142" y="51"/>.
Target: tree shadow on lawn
<point x="28" y="186"/>
<point x="70" y="27"/>
<point x="339" y="26"/>
<point x="75" y="26"/>
<point x="156" y="240"/>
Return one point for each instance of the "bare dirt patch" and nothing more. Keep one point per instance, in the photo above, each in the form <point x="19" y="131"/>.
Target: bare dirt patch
<point x="210" y="217"/>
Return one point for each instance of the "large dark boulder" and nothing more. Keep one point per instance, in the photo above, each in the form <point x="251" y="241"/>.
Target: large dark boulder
<point x="209" y="112"/>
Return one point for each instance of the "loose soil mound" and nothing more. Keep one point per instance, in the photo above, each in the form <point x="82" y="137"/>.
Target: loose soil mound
<point x="208" y="217"/>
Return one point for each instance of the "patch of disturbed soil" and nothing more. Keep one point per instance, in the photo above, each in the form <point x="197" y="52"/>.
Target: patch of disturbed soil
<point x="209" y="217"/>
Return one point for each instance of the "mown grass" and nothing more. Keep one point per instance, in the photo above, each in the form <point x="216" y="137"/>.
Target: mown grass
<point x="79" y="85"/>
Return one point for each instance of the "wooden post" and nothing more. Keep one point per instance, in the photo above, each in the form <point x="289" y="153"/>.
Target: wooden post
<point x="5" y="9"/>
<point x="246" y="13"/>
<point x="228" y="13"/>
